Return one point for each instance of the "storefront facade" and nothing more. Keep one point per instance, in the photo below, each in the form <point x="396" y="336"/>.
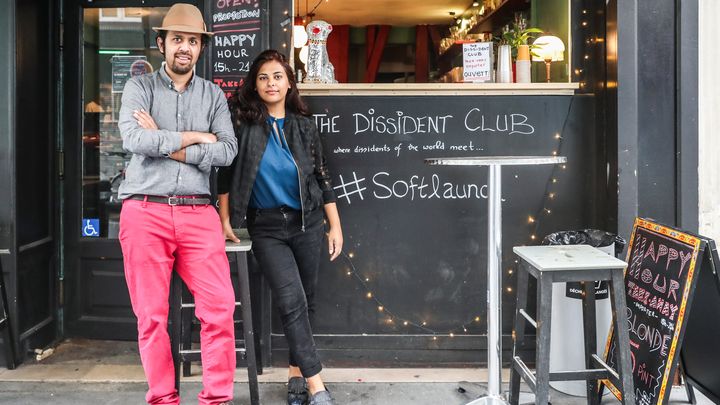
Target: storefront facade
<point x="633" y="122"/>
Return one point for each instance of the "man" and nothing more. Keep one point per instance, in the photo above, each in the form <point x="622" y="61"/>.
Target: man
<point x="177" y="126"/>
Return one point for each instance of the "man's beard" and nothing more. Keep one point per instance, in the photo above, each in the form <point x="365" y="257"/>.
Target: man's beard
<point x="180" y="70"/>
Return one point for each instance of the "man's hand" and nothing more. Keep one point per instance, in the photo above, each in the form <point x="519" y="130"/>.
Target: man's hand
<point x="144" y="119"/>
<point x="179" y="155"/>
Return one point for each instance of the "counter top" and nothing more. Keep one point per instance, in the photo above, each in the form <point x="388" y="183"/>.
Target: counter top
<point x="435" y="89"/>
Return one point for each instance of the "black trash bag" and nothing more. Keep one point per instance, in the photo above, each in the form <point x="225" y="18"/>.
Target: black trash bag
<point x="594" y="238"/>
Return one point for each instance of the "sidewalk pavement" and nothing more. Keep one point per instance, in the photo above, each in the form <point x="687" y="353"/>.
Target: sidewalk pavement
<point x="109" y="372"/>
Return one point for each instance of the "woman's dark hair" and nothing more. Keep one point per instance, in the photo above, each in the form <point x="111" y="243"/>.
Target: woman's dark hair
<point x="247" y="106"/>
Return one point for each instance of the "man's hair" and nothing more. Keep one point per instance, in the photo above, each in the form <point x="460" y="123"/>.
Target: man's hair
<point x="204" y="39"/>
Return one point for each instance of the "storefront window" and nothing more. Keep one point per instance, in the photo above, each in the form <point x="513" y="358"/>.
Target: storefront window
<point x="118" y="43"/>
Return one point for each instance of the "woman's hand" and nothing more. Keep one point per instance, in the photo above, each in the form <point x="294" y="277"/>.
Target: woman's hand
<point x="228" y="232"/>
<point x="334" y="235"/>
<point x="144" y="119"/>
<point x="335" y="242"/>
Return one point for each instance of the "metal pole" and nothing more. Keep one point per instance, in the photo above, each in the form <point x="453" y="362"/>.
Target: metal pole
<point x="494" y="310"/>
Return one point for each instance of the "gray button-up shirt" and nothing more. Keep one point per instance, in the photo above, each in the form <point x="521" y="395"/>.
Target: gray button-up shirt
<point x="201" y="107"/>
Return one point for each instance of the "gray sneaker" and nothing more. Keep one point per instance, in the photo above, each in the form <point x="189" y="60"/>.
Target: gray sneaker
<point x="322" y="398"/>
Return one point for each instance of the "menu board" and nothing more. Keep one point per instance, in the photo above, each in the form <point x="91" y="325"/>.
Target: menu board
<point x="659" y="286"/>
<point x="238" y="39"/>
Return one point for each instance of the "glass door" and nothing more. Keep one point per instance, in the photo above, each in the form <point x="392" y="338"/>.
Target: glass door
<point x="106" y="43"/>
<point x="118" y="43"/>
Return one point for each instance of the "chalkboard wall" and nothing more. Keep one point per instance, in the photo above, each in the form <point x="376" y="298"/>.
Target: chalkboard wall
<point x="415" y="234"/>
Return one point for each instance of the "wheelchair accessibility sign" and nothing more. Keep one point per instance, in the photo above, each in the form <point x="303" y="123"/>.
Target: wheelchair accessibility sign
<point x="91" y="227"/>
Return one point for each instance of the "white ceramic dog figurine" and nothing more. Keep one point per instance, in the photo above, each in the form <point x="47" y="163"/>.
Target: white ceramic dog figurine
<point x="319" y="69"/>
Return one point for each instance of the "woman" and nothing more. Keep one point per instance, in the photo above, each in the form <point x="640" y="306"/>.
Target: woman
<point x="280" y="183"/>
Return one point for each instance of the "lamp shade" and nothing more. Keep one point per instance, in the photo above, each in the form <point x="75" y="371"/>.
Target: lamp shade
<point x="304" y="54"/>
<point x="548" y="47"/>
<point x="300" y="37"/>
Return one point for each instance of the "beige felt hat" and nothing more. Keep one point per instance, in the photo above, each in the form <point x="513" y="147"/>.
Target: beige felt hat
<point x="183" y="18"/>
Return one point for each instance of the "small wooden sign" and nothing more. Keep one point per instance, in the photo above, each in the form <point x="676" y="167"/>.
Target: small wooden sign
<point x="478" y="62"/>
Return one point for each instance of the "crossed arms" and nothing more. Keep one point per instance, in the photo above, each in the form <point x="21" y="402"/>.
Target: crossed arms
<point x="141" y="135"/>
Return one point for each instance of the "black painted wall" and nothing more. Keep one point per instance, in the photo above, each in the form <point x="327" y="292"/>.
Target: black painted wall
<point x="29" y="87"/>
<point x="653" y="47"/>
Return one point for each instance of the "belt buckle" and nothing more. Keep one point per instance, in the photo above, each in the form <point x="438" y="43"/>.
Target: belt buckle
<point x="173" y="201"/>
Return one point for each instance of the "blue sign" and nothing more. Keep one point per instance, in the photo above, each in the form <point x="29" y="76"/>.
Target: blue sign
<point x="91" y="227"/>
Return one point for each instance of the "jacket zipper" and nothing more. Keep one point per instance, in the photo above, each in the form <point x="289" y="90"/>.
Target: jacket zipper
<point x="302" y="206"/>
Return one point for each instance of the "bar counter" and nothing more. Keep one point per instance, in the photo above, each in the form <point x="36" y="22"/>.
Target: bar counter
<point x="444" y="89"/>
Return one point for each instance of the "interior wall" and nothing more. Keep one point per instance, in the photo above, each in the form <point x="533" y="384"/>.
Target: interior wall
<point x="709" y="100"/>
<point x="553" y="17"/>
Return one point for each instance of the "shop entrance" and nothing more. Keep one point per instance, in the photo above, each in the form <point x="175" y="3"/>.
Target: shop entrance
<point x="116" y="42"/>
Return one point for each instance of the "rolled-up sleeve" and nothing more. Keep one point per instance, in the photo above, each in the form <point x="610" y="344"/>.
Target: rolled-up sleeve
<point x="146" y="142"/>
<point x="222" y="152"/>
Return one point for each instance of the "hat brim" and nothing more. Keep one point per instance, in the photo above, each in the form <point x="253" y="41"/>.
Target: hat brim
<point x="182" y="28"/>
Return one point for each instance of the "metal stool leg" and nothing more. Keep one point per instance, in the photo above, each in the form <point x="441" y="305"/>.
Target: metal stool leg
<point x="519" y="333"/>
<point x="186" y="319"/>
<point x="623" y="339"/>
<point x="590" y="333"/>
<point x="244" y="280"/>
<point x="174" y="324"/>
<point x="542" y="364"/>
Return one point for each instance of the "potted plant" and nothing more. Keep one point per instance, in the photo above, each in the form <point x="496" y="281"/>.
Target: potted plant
<point x="517" y="36"/>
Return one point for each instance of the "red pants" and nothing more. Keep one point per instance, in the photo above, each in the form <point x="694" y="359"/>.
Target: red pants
<point x="156" y="238"/>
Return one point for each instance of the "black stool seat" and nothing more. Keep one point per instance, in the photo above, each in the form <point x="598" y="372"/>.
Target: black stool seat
<point x="182" y="311"/>
<point x="577" y="263"/>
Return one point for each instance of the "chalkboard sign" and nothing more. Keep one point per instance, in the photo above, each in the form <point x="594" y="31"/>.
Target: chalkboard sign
<point x="239" y="37"/>
<point x="700" y="354"/>
<point x="659" y="287"/>
<point x="415" y="235"/>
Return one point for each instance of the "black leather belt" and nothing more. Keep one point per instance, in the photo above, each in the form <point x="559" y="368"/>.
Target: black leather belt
<point x="185" y="200"/>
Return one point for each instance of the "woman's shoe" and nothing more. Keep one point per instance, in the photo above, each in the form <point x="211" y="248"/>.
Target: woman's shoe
<point x="297" y="391"/>
<point x="321" y="398"/>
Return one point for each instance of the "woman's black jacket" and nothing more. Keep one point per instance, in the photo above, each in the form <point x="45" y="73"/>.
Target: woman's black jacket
<point x="304" y="140"/>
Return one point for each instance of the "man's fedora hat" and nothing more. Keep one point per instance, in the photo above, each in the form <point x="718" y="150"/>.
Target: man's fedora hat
<point x="183" y="18"/>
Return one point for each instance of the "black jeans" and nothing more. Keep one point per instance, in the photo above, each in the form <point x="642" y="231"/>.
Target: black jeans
<point x="290" y="260"/>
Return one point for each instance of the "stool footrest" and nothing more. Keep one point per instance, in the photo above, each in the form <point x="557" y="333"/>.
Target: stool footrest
<point x="592" y="374"/>
<point x="525" y="372"/>
<point x="192" y="305"/>
<point x="613" y="373"/>
<point x="194" y="354"/>
<point x="528" y="317"/>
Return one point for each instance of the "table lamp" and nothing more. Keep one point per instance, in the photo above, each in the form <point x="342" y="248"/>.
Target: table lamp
<point x="548" y="49"/>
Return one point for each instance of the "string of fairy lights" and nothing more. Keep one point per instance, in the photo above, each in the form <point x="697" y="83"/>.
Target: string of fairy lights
<point x="544" y="210"/>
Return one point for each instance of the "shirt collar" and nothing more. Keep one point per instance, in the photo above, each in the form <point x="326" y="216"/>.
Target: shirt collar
<point x="272" y="119"/>
<point x="168" y="81"/>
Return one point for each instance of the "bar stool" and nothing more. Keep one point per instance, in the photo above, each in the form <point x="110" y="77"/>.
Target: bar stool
<point x="577" y="263"/>
<point x="182" y="314"/>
